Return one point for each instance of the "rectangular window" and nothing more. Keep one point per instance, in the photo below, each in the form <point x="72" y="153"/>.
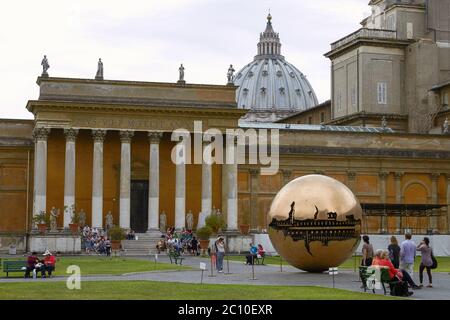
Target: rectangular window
<point x="381" y="93"/>
<point x="409" y="30"/>
<point x="445" y="99"/>
<point x="309" y="120"/>
<point x="322" y="117"/>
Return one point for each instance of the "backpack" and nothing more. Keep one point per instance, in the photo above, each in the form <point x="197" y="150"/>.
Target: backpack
<point x="399" y="288"/>
<point x="435" y="263"/>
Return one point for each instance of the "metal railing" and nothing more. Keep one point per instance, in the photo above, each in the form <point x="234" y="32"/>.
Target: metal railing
<point x="365" y="33"/>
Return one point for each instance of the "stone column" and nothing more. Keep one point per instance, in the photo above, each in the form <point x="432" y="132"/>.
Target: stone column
<point x="398" y="196"/>
<point x="254" y="190"/>
<point x="448" y="202"/>
<point x="287" y="174"/>
<point x="97" y="178"/>
<point x="232" y="172"/>
<point x="153" y="194"/>
<point x="125" y="175"/>
<point x="383" y="197"/>
<point x="180" y="190"/>
<point x="40" y="136"/>
<point x="69" y="175"/>
<point x="433" y="222"/>
<point x="206" y="180"/>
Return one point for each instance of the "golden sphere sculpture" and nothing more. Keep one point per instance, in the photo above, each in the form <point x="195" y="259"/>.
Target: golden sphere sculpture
<point x="315" y="223"/>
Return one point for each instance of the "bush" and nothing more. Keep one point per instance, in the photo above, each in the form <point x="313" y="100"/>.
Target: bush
<point x="204" y="233"/>
<point x="215" y="222"/>
<point x="116" y="233"/>
<point x="42" y="218"/>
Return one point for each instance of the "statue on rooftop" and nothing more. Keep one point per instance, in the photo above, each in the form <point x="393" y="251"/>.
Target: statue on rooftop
<point x="99" y="75"/>
<point x="45" y="66"/>
<point x="181" y="70"/>
<point x="230" y="74"/>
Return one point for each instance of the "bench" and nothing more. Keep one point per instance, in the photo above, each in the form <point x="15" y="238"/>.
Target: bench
<point x="176" y="257"/>
<point x="260" y="259"/>
<point x="14" y="266"/>
<point x="366" y="272"/>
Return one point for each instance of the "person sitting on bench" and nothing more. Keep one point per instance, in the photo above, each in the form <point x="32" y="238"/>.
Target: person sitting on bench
<point x="382" y="259"/>
<point x="49" y="264"/>
<point x="32" y="261"/>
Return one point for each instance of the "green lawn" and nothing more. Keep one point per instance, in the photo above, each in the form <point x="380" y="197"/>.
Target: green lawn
<point x="148" y="290"/>
<point x="104" y="265"/>
<point x="443" y="262"/>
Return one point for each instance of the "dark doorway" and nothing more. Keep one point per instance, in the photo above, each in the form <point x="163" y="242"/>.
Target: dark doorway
<point x="139" y="205"/>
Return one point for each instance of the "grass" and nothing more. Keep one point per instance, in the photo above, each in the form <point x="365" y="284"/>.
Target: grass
<point x="150" y="290"/>
<point x="443" y="262"/>
<point x="104" y="265"/>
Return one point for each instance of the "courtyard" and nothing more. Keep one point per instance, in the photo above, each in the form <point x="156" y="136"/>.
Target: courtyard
<point x="143" y="278"/>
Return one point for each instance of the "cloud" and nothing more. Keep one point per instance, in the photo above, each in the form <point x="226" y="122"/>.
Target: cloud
<point x="146" y="40"/>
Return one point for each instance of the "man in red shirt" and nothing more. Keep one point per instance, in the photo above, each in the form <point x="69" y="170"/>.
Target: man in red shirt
<point x="49" y="264"/>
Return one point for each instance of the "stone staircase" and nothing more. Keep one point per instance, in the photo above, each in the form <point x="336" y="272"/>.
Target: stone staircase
<point x="144" y="246"/>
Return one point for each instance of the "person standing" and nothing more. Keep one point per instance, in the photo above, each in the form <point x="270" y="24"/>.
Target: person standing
<point x="367" y="251"/>
<point x="394" y="252"/>
<point x="220" y="245"/>
<point x="426" y="262"/>
<point x="407" y="254"/>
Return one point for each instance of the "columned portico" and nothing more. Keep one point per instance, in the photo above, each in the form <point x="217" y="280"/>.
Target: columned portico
<point x="40" y="136"/>
<point x="153" y="195"/>
<point x="125" y="174"/>
<point x="97" y="178"/>
<point x="69" y="175"/>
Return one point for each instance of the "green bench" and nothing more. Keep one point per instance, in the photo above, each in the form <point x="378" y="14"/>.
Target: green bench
<point x="260" y="259"/>
<point x="366" y="272"/>
<point x="14" y="266"/>
<point x="175" y="257"/>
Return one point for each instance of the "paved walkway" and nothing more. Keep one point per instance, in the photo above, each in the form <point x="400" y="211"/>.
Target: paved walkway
<point x="264" y="275"/>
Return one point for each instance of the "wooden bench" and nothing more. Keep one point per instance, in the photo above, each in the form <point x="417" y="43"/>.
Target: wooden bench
<point x="14" y="266"/>
<point x="366" y="272"/>
<point x="175" y="257"/>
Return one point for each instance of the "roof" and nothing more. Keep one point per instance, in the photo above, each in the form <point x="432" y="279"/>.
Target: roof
<point x="321" y="105"/>
<point x="311" y="127"/>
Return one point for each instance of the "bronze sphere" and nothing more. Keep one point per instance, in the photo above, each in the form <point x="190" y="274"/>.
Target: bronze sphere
<point x="315" y="223"/>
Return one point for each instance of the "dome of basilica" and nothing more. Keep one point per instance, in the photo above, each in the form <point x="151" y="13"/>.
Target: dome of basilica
<point x="269" y="85"/>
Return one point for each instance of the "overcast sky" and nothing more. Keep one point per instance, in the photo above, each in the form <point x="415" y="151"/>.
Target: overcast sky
<point x="146" y="40"/>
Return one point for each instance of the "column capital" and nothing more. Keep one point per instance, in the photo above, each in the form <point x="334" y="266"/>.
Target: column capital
<point x="98" y="135"/>
<point x="154" y="137"/>
<point x="71" y="134"/>
<point x="351" y="175"/>
<point x="41" y="134"/>
<point x="254" y="172"/>
<point x="435" y="176"/>
<point x="126" y="135"/>
<point x="398" y="175"/>
<point x="383" y="174"/>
